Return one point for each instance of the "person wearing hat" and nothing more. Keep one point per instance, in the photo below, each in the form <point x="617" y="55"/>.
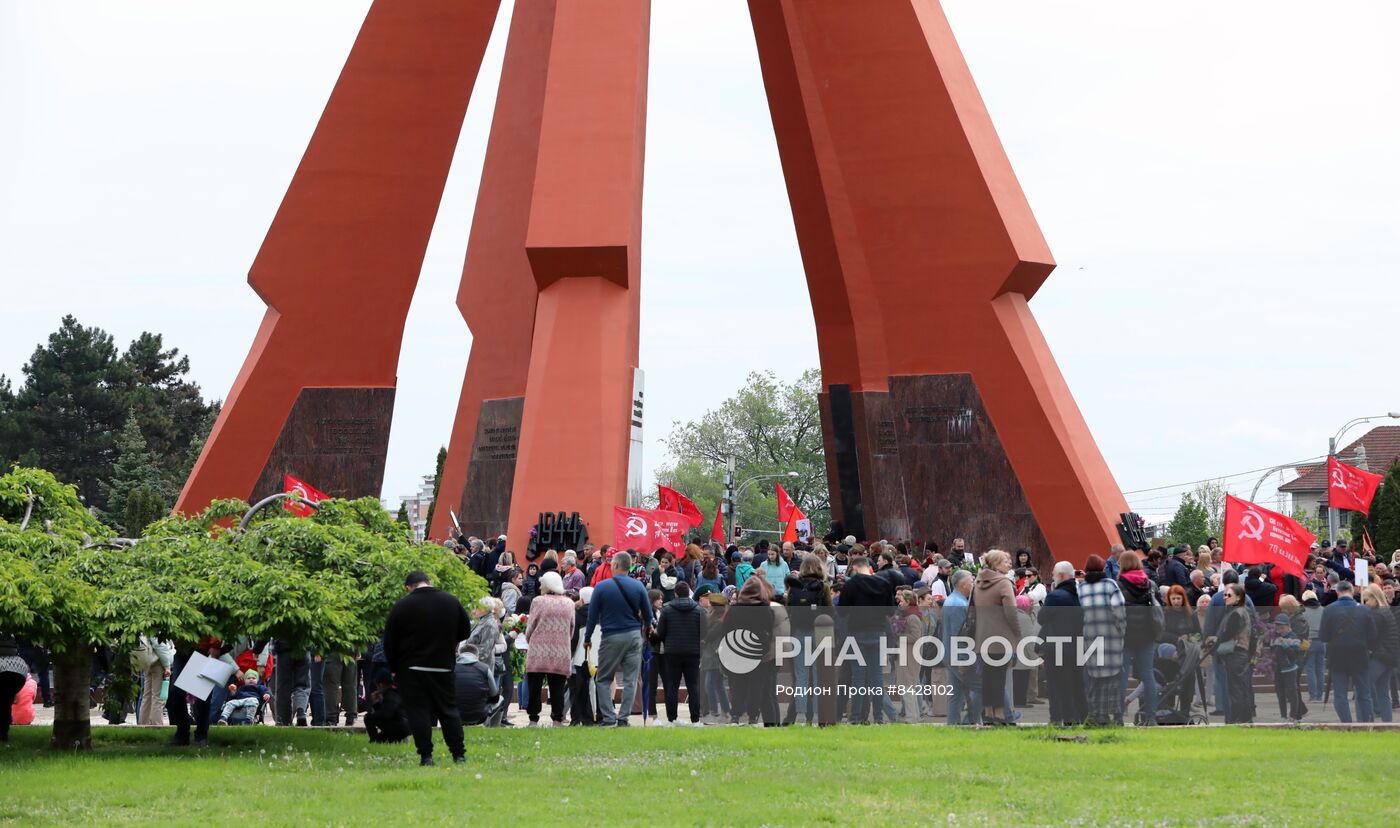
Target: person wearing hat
<point x="1287" y="648"/>
<point x="549" y="631"/>
<point x="420" y="645"/>
<point x="245" y="698"/>
<point x="1175" y="572"/>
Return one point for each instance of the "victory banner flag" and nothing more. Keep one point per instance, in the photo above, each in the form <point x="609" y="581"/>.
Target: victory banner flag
<point x="1350" y="488"/>
<point x="1255" y="535"/>
<point x="717" y="531"/>
<point x="785" y="505"/>
<point x="647" y="530"/>
<point x="306" y="491"/>
<point x="670" y="500"/>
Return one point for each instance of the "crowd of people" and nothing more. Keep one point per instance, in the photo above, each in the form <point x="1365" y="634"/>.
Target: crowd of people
<point x="597" y="632"/>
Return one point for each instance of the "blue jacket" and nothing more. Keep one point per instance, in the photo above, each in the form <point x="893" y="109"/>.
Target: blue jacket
<point x="954" y="614"/>
<point x="615" y="608"/>
<point x="1175" y="573"/>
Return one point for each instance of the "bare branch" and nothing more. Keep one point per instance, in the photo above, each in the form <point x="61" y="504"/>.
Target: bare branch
<point x="28" y="508"/>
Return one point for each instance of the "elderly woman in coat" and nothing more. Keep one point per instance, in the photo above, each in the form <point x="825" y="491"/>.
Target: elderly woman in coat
<point x="550" y="632"/>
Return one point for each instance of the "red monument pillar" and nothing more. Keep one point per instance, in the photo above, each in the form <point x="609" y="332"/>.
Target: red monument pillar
<point x="944" y="412"/>
<point x="337" y="270"/>
<point x="498" y="292"/>
<point x="584" y="246"/>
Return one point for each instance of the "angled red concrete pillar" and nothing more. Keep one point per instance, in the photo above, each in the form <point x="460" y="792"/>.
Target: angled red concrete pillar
<point x="944" y="411"/>
<point x="339" y="264"/>
<point x="584" y="245"/>
<point x="497" y="295"/>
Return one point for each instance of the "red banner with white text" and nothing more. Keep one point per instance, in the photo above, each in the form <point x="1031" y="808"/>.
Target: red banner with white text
<point x="1255" y="535"/>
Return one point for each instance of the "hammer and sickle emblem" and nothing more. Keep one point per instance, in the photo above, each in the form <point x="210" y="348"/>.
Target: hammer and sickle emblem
<point x="636" y="527"/>
<point x="1252" y="525"/>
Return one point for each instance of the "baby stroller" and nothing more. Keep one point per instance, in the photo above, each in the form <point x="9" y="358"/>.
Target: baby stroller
<point x="1177" y="669"/>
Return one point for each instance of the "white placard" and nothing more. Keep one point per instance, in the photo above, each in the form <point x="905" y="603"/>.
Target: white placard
<point x="202" y="674"/>
<point x="1360" y="570"/>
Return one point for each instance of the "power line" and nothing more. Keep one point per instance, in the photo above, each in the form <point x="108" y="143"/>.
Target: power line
<point x="1228" y="476"/>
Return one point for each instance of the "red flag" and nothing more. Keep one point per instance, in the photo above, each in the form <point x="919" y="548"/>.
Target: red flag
<point x="647" y="530"/>
<point x="309" y="493"/>
<point x="785" y="505"/>
<point x="717" y="531"/>
<point x="1255" y="535"/>
<point x="670" y="500"/>
<point x="1350" y="488"/>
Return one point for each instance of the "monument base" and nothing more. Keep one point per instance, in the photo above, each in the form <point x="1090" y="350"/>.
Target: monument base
<point x="923" y="462"/>
<point x="336" y="439"/>
<point x="484" y="510"/>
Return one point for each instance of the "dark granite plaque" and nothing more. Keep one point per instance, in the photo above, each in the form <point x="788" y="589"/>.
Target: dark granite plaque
<point x="922" y="462"/>
<point x="336" y="439"/>
<point x="485" y="507"/>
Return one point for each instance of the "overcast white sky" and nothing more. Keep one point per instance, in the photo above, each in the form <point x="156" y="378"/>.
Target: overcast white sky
<point x="1218" y="182"/>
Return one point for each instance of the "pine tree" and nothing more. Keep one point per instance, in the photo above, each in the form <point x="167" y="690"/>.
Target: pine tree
<point x="144" y="506"/>
<point x="135" y="477"/>
<point x="403" y="513"/>
<point x="66" y="417"/>
<point x="437" y="484"/>
<point x="1386" y="513"/>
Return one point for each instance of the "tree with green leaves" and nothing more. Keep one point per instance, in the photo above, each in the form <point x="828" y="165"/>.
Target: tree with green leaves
<point x="768" y="428"/>
<point x="402" y="517"/>
<point x="327" y="581"/>
<point x="437" y="484"/>
<point x="1191" y="523"/>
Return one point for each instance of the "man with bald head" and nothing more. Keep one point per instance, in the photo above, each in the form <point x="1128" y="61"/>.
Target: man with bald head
<point x="1061" y="617"/>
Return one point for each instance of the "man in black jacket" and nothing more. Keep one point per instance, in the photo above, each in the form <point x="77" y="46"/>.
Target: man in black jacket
<point x="1349" y="631"/>
<point x="1062" y="618"/>
<point x="420" y="644"/>
<point x="680" y="631"/>
<point x="867" y="627"/>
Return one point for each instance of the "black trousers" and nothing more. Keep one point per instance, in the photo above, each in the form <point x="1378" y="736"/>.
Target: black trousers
<point x="673" y="669"/>
<point x="387" y="729"/>
<point x="581" y="707"/>
<point x="180" y="713"/>
<point x="10" y="685"/>
<point x="429" y="697"/>
<point x="535" y="681"/>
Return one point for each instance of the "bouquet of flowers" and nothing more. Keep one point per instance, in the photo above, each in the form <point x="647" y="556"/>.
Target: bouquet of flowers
<point x="513" y="628"/>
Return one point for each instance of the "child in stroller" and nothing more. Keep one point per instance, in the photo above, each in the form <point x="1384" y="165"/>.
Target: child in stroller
<point x="246" y="700"/>
<point x="1177" y="669"/>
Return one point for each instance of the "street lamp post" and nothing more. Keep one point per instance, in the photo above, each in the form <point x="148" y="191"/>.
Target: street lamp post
<point x="739" y="492"/>
<point x="1332" y="453"/>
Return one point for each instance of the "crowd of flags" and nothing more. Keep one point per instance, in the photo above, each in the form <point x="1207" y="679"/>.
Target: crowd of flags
<point x="1252" y="533"/>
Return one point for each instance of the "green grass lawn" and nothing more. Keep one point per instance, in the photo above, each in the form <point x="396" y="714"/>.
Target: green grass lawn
<point x="750" y="776"/>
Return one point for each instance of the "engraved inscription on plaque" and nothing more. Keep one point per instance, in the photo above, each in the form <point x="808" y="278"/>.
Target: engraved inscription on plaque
<point x="347" y="435"/>
<point x="498" y="443"/>
<point x="943" y="423"/>
<point x="886" y="439"/>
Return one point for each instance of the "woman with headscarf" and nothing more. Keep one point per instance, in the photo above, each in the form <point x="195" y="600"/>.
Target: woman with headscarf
<point x="549" y="631"/>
